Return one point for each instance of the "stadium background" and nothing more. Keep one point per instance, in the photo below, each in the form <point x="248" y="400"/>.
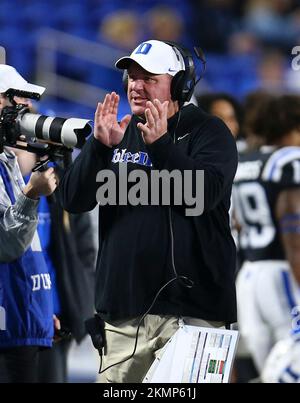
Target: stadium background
<point x="70" y="47"/>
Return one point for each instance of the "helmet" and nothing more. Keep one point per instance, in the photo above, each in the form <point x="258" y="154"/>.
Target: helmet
<point x="283" y="362"/>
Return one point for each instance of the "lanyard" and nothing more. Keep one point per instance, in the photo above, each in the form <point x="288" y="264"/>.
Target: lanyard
<point x="7" y="183"/>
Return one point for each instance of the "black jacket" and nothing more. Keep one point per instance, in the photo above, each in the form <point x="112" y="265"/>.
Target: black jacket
<point x="134" y="259"/>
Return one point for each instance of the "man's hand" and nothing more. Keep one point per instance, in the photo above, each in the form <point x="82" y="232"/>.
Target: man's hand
<point x="41" y="184"/>
<point x="106" y="128"/>
<point x="156" y="121"/>
<point x="59" y="332"/>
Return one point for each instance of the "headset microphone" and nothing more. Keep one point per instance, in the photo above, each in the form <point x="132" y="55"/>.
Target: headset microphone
<point x="201" y="56"/>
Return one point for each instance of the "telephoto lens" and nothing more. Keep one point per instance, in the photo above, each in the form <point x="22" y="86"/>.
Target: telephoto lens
<point x="70" y="132"/>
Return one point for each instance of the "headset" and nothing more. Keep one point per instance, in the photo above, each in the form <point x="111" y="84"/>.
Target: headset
<point x="184" y="81"/>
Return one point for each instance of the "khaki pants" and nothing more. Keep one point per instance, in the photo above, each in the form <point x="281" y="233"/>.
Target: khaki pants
<point x="154" y="333"/>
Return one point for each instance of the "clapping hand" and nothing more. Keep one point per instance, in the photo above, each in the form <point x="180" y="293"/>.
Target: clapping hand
<point x="156" y="121"/>
<point x="107" y="129"/>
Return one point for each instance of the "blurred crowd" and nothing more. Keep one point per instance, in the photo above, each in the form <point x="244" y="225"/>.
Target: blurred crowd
<point x="247" y="44"/>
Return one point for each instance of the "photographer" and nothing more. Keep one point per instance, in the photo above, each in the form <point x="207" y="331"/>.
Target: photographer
<point x="25" y="284"/>
<point x="69" y="250"/>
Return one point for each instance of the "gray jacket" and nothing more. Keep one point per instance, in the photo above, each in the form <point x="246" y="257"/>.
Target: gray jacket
<point x="18" y="222"/>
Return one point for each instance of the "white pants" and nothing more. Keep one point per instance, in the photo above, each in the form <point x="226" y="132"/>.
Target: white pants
<point x="266" y="294"/>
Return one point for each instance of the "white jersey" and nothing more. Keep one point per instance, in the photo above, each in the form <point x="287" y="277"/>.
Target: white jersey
<point x="267" y="296"/>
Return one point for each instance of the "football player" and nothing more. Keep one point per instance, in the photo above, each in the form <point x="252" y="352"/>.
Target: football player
<point x="266" y="200"/>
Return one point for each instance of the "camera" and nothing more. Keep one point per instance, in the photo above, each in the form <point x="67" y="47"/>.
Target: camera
<point x="40" y="132"/>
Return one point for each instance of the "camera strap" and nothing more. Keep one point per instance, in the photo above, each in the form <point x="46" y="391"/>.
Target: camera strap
<point x="7" y="182"/>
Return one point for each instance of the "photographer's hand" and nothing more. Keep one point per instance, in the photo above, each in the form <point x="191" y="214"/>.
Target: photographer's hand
<point x="56" y="323"/>
<point x="106" y="128"/>
<point x="41" y="184"/>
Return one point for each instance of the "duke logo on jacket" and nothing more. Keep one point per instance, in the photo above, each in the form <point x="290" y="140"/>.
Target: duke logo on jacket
<point x="41" y="281"/>
<point x="123" y="155"/>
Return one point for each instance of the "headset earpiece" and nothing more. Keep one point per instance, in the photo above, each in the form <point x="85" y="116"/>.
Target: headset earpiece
<point x="176" y="86"/>
<point x="182" y="87"/>
<point x="183" y="83"/>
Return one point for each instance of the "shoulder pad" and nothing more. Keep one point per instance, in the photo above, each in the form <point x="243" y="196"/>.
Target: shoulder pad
<point x="283" y="166"/>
